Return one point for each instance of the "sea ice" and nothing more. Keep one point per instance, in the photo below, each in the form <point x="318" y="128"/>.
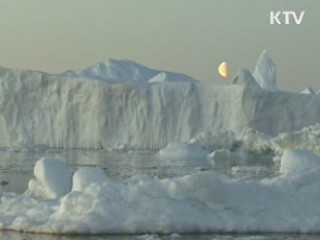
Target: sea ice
<point x="196" y="203"/>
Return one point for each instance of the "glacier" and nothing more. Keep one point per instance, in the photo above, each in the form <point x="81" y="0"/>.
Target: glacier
<point x="119" y="102"/>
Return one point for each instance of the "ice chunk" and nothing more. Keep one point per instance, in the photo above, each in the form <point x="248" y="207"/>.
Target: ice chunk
<point x="298" y="161"/>
<point x="184" y="154"/>
<point x="83" y="177"/>
<point x="265" y="72"/>
<point x="55" y="175"/>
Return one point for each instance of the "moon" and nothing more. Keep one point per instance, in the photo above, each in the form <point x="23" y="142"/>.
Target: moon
<point x="223" y="69"/>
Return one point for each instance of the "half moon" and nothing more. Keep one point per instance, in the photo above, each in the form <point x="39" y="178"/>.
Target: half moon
<point x="223" y="69"/>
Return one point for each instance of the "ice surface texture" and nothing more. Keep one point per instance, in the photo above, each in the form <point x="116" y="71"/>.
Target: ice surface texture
<point x="113" y="103"/>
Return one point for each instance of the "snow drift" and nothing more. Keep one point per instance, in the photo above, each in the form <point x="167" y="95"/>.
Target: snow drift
<point x="121" y="102"/>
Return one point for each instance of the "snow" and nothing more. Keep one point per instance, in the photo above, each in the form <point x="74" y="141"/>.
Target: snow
<point x="265" y="72"/>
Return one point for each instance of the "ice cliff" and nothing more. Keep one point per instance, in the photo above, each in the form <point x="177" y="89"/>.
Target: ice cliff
<point x="123" y="102"/>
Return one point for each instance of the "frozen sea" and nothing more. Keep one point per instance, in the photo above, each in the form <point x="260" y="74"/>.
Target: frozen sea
<point x="16" y="168"/>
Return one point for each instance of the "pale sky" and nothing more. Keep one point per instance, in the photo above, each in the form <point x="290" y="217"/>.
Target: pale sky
<point x="187" y="36"/>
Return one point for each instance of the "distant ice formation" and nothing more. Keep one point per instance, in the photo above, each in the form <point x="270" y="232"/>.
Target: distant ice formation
<point x="125" y="71"/>
<point x="266" y="72"/>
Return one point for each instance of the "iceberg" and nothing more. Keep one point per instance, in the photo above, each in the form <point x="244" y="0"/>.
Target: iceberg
<point x="85" y="110"/>
<point x="265" y="72"/>
<point x="121" y="105"/>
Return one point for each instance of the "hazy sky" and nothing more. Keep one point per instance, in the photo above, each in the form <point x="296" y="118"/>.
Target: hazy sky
<point x="188" y="36"/>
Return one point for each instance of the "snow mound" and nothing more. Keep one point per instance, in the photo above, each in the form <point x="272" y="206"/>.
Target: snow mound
<point x="83" y="177"/>
<point x="53" y="178"/>
<point x="184" y="154"/>
<point x="265" y="72"/>
<point x="298" y="161"/>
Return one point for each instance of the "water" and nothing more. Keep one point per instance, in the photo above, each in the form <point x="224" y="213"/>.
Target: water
<point x="16" y="168"/>
<point x="28" y="236"/>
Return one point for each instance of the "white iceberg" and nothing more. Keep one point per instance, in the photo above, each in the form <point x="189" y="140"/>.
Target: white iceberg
<point x="265" y="72"/>
<point x="83" y="109"/>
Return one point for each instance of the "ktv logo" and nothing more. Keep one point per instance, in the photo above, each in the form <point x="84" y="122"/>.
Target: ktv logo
<point x="286" y="17"/>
